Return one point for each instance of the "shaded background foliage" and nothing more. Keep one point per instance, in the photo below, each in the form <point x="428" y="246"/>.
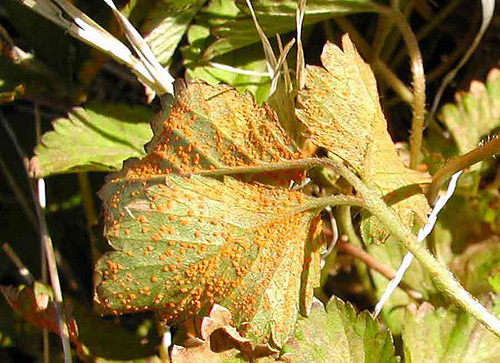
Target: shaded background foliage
<point x="69" y="73"/>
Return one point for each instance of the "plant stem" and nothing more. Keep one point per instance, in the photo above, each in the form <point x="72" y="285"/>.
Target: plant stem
<point x="428" y="28"/>
<point x="443" y="277"/>
<point x="51" y="264"/>
<point x="417" y="69"/>
<point x="371" y="262"/>
<point x="485" y="151"/>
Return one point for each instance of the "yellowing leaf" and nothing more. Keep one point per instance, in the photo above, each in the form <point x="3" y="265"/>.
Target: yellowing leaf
<point x="341" y="109"/>
<point x="185" y="243"/>
<point x="211" y="127"/>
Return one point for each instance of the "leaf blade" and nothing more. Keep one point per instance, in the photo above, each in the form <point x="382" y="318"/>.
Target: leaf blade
<point x="98" y="138"/>
<point x="202" y="241"/>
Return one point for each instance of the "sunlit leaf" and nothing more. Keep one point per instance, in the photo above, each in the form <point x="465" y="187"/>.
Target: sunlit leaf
<point x="340" y="107"/>
<point x="337" y="334"/>
<point x="475" y="113"/>
<point x="166" y="24"/>
<point x="213" y="127"/>
<point x="440" y="335"/>
<point x="183" y="244"/>
<point x="98" y="138"/>
<point x="231" y="26"/>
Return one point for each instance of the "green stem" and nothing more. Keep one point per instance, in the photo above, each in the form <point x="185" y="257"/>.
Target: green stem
<point x="429" y="28"/>
<point x="487" y="150"/>
<point x="417" y="69"/>
<point x="443" y="278"/>
<point x="333" y="201"/>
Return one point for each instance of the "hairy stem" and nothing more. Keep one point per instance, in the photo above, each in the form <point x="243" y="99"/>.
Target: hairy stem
<point x="443" y="277"/>
<point x="485" y="151"/>
<point x="417" y="69"/>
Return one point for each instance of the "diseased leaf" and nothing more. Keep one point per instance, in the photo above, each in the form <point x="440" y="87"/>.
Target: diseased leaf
<point x="337" y="334"/>
<point x="166" y="24"/>
<point x="220" y="342"/>
<point x="214" y="127"/>
<point x="475" y="113"/>
<point x="340" y="107"/>
<point x="440" y="335"/>
<point x="36" y="306"/>
<point x="183" y="244"/>
<point x="98" y="138"/>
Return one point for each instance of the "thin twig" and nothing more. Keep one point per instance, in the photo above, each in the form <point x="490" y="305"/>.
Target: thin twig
<point x="21" y="267"/>
<point x="488" y="7"/>
<point x="48" y="249"/>
<point x="485" y="151"/>
<point x="417" y="69"/>
<point x="371" y="262"/>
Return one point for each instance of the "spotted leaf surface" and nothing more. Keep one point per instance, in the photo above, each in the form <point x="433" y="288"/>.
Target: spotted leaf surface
<point x="184" y="243"/>
<point x="211" y="127"/>
<point x="341" y="110"/>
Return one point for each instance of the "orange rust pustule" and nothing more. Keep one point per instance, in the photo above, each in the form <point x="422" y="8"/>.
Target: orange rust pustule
<point x="211" y="127"/>
<point x="230" y="268"/>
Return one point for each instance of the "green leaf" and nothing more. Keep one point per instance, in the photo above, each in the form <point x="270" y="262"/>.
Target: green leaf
<point x="340" y="106"/>
<point x="465" y="220"/>
<point x="215" y="127"/>
<point x="183" y="244"/>
<point x="249" y="58"/>
<point x="337" y="334"/>
<point x="231" y="26"/>
<point x="98" y="138"/>
<point x="474" y="114"/>
<point x="440" y="335"/>
<point x="166" y="24"/>
<point x="477" y="264"/>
